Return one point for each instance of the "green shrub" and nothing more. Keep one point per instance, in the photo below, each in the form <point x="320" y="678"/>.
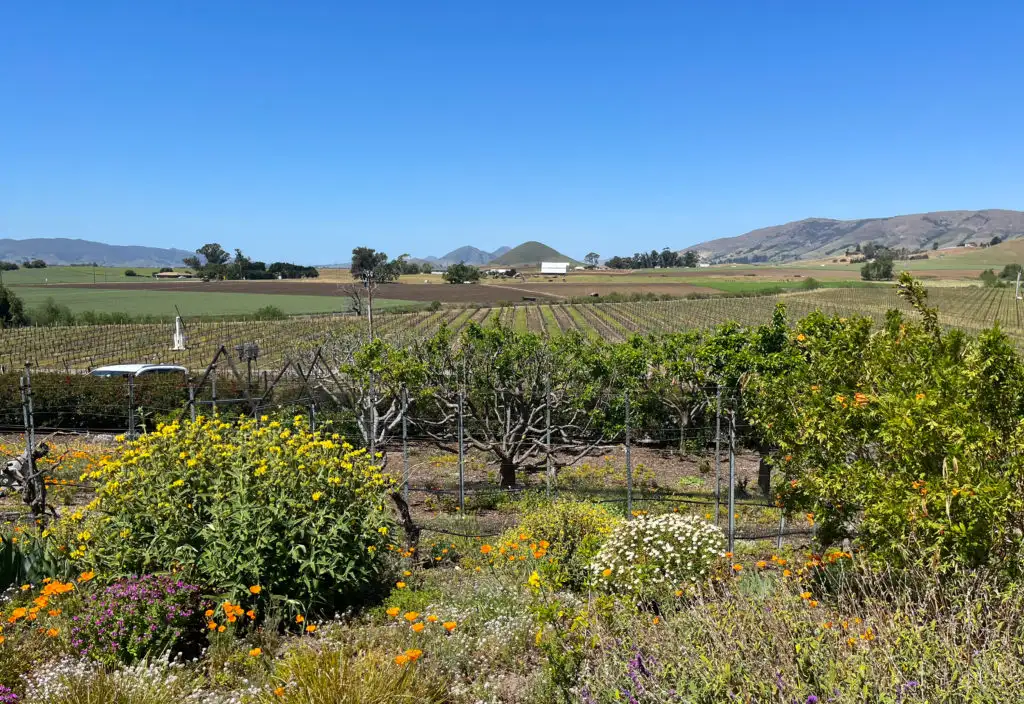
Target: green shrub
<point x="299" y="514"/>
<point x="574" y="532"/>
<point x="652" y="555"/>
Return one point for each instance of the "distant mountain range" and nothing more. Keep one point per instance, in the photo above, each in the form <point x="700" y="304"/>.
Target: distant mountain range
<point x="60" y="251"/>
<point x="821" y="237"/>
<point x="467" y="255"/>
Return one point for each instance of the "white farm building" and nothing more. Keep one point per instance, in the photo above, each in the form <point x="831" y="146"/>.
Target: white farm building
<point x="554" y="267"/>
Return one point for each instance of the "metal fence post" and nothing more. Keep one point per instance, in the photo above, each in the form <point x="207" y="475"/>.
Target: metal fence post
<point x="373" y="419"/>
<point x="312" y="415"/>
<point x="782" y="530"/>
<point x="732" y="479"/>
<point x="213" y="387"/>
<point x="131" y="407"/>
<point x="547" y="431"/>
<point x="462" y="460"/>
<point x="629" y="464"/>
<point x="405" y="444"/>
<point x="192" y="399"/>
<point x="718" y="454"/>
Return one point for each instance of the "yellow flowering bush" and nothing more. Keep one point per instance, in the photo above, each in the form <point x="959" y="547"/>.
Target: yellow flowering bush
<point x="568" y="532"/>
<point x="300" y="514"/>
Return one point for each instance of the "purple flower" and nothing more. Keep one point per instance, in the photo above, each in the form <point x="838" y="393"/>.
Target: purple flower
<point x="812" y="699"/>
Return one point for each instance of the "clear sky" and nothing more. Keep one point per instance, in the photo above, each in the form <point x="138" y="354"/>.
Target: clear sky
<point x="297" y="130"/>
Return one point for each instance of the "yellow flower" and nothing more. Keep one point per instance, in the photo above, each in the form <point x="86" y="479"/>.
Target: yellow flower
<point x="486" y="549"/>
<point x="317" y="495"/>
<point x="407" y="573"/>
<point x="255" y="589"/>
<point x="805" y="595"/>
<point x="402" y="659"/>
<point x="279" y="692"/>
<point x="417" y="627"/>
<point x="534" y="580"/>
<point x="414" y="653"/>
<point x="411" y="616"/>
<point x="52" y="632"/>
<point x="400" y="585"/>
<point x="737" y="568"/>
<point x="310" y="628"/>
<point x="255" y="652"/>
<point x="392" y="612"/>
<point x="221" y="628"/>
<point x="607" y="572"/>
<point x="449" y="626"/>
<point x="300" y="618"/>
<point x="432" y="618"/>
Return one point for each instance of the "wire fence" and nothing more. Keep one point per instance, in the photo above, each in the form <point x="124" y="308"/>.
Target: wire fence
<point x="464" y="463"/>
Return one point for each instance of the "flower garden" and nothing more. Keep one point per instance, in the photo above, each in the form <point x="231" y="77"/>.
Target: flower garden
<point x="256" y="560"/>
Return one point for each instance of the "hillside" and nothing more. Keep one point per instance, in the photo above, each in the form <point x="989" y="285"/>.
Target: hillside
<point x="822" y="237"/>
<point x="530" y="254"/>
<point x="58" y="251"/>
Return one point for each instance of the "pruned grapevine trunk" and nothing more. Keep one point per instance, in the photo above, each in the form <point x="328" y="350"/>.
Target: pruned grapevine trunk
<point x="16" y="474"/>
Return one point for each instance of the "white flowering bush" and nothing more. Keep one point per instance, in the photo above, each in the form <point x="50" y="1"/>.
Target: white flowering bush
<point x="651" y="554"/>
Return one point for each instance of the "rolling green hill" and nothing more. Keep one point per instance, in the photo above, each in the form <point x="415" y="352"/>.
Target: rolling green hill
<point x="530" y="254"/>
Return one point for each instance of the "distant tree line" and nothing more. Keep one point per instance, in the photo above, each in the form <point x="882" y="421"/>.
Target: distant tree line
<point x="27" y="264"/>
<point x="665" y="259"/>
<point x="212" y="262"/>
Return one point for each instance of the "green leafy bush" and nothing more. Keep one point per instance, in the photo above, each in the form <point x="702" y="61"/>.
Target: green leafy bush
<point x="574" y="531"/>
<point x="651" y="555"/>
<point x="298" y="515"/>
<point x="906" y="440"/>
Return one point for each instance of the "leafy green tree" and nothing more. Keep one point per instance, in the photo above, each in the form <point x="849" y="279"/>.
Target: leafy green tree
<point x="1010" y="271"/>
<point x="880" y="269"/>
<point x="12" y="310"/>
<point x="989" y="278"/>
<point x="210" y="261"/>
<point x="592" y="258"/>
<point x="461" y="273"/>
<point x="906" y="439"/>
<point x="691" y="259"/>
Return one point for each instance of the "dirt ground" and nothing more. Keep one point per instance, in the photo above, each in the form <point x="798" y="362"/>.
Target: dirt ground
<point x="485" y="294"/>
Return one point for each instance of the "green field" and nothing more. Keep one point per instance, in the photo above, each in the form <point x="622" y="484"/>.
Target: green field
<point x="190" y="303"/>
<point x="77" y="275"/>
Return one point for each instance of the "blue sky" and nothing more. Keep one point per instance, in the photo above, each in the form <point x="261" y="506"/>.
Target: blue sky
<point x="297" y="130"/>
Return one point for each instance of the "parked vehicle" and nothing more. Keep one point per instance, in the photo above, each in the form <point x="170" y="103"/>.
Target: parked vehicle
<point x="137" y="370"/>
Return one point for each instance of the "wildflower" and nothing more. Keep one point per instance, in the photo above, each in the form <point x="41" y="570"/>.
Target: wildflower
<point x="417" y="627"/>
<point x="255" y="652"/>
<point x="486" y="549"/>
<point x="212" y="625"/>
<point x="221" y="628"/>
<point x="279" y="692"/>
<point x="402" y="659"/>
<point x="407" y="573"/>
<point x="208" y="613"/>
<point x="787" y="573"/>
<point x="801" y="337"/>
<point x="414" y="653"/>
<point x="607" y="572"/>
<point x="317" y="495"/>
<point x="432" y="618"/>
<point x="400" y="585"/>
<point x="534" y="580"/>
<point x="255" y="589"/>
<point x="449" y="626"/>
<point x="52" y="632"/>
<point x="761" y="564"/>
<point x="392" y="612"/>
<point x="656" y="620"/>
<point x="411" y="616"/>
<point x="251" y="613"/>
<point x="805" y="595"/>
<point x="813" y="604"/>
<point x="300" y="618"/>
<point x="85" y="576"/>
<point x="737" y="568"/>
<point x="310" y="628"/>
